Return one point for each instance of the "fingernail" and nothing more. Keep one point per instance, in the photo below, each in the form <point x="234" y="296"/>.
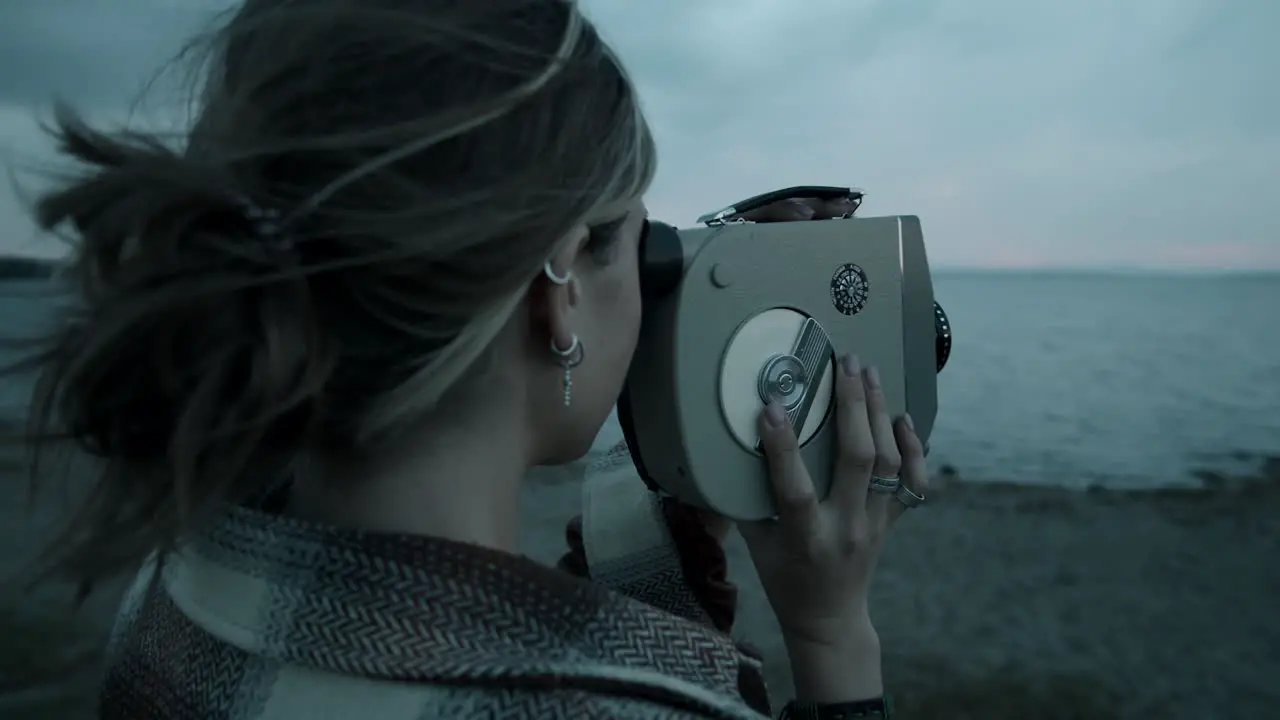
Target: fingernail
<point x="910" y="423"/>
<point x="774" y="416"/>
<point x="849" y="365"/>
<point x="873" y="376"/>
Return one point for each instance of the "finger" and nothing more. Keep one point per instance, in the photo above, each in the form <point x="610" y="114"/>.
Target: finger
<point x="793" y="489"/>
<point x="887" y="460"/>
<point x="914" y="474"/>
<point x="793" y="209"/>
<point x="855" y="447"/>
<point x="834" y="208"/>
<point x="788" y="210"/>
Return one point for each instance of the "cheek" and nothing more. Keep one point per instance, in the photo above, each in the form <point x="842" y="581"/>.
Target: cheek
<point x="630" y="308"/>
<point x="619" y="323"/>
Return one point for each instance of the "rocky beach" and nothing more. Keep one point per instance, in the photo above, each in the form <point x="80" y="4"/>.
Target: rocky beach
<point x="995" y="601"/>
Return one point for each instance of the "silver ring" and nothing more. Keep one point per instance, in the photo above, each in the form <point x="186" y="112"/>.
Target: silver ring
<point x="887" y="485"/>
<point x="905" y="496"/>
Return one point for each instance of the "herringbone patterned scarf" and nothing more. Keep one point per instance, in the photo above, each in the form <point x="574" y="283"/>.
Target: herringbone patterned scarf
<point x="266" y="616"/>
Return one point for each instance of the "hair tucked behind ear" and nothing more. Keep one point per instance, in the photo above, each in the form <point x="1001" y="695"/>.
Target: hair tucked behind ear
<point x="426" y="157"/>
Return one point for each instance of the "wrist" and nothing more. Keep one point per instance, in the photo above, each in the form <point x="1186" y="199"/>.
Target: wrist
<point x="845" y="669"/>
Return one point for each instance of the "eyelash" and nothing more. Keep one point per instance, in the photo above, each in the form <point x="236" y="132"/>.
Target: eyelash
<point x="605" y="232"/>
<point x="603" y="237"/>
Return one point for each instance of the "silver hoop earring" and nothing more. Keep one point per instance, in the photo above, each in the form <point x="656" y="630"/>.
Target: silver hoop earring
<point x="550" y="272"/>
<point x="570" y="358"/>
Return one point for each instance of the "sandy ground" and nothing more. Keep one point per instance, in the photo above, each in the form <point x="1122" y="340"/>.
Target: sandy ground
<point x="996" y="601"/>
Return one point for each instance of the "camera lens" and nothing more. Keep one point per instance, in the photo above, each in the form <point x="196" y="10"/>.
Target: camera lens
<point x="942" y="328"/>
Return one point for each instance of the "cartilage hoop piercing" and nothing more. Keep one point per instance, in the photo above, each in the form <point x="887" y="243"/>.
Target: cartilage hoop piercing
<point x="570" y="358"/>
<point x="550" y="272"/>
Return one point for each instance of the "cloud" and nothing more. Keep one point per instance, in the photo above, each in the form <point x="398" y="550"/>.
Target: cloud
<point x="1089" y="133"/>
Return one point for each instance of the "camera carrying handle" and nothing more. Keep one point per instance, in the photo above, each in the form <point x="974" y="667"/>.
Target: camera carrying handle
<point x="818" y="192"/>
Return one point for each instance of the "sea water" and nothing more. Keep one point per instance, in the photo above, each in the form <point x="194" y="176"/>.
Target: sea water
<point x="1071" y="378"/>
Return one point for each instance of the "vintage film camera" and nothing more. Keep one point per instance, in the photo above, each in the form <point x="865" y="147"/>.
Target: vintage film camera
<point x="737" y="313"/>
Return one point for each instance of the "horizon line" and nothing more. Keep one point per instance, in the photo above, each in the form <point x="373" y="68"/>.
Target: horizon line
<point x="987" y="269"/>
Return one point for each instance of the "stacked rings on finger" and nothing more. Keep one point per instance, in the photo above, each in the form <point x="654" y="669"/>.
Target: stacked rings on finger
<point x="887" y="485"/>
<point x="905" y="496"/>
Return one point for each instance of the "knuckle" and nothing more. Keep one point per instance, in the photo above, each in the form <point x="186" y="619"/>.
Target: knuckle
<point x="853" y="464"/>
<point x="857" y="540"/>
<point x="888" y="462"/>
<point x="909" y="444"/>
<point x="916" y="479"/>
<point x="811" y="547"/>
<point x="797" y="499"/>
<point x="787" y="441"/>
<point x="781" y="442"/>
<point x="857" y="458"/>
<point x="783" y="458"/>
<point x="779" y="457"/>
<point x="875" y="397"/>
<point x="852" y="392"/>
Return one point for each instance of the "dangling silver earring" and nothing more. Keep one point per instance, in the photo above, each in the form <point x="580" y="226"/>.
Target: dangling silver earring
<point x="570" y="358"/>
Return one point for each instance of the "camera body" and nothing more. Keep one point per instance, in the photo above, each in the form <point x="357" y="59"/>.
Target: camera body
<point x="740" y="313"/>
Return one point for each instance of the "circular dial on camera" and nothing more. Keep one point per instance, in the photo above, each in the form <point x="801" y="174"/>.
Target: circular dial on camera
<point x="781" y="355"/>
<point x="849" y="289"/>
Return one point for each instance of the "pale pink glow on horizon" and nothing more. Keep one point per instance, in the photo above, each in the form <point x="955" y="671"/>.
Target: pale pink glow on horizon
<point x="1222" y="255"/>
<point x="1008" y="258"/>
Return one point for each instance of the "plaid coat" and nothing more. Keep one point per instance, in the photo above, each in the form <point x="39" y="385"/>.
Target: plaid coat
<point x="265" y="617"/>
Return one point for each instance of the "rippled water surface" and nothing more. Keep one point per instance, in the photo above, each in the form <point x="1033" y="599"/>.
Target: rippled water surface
<point x="1123" y="380"/>
<point x="1119" y="380"/>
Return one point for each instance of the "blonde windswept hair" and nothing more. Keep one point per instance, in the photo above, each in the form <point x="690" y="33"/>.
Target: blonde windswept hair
<point x="630" y="180"/>
<point x="421" y="159"/>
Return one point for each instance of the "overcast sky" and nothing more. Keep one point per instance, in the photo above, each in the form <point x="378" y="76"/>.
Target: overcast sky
<point x="1088" y="133"/>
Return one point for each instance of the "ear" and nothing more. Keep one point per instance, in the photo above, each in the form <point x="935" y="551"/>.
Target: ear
<point x="556" y="292"/>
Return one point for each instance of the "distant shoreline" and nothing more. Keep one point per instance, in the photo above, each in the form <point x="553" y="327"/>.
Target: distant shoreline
<point x="26" y="268"/>
<point x="1194" y="273"/>
<point x="21" y="267"/>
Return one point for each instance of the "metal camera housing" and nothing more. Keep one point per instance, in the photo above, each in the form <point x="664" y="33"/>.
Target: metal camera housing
<point x="737" y="313"/>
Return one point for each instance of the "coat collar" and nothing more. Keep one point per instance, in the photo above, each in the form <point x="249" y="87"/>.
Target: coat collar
<point x="414" y="608"/>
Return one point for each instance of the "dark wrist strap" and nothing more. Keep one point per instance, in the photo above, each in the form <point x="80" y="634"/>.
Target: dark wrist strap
<point x="874" y="709"/>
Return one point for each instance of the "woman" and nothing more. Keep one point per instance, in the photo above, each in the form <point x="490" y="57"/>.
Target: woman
<point x="317" y="348"/>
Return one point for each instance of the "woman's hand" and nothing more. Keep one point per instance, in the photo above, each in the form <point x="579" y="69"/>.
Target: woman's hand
<point x="793" y="209"/>
<point x="817" y="558"/>
<point x="789" y="210"/>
